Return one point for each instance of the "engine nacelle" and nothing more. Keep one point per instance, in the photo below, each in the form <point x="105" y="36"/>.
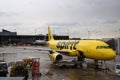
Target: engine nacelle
<point x="56" y="57"/>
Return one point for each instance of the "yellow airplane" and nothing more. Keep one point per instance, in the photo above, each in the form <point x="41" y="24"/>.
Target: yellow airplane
<point x="92" y="49"/>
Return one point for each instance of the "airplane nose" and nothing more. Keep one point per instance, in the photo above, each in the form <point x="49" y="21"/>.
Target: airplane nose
<point x="111" y="54"/>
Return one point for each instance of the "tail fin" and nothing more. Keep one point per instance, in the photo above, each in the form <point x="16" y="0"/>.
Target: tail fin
<point x="50" y="36"/>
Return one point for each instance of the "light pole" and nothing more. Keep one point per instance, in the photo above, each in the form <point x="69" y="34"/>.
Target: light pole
<point x="89" y="34"/>
<point x="118" y="41"/>
<point x="68" y="33"/>
<point x="35" y="31"/>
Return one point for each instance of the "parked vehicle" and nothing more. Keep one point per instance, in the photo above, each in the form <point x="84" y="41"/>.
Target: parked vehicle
<point x="3" y="69"/>
<point x="117" y="69"/>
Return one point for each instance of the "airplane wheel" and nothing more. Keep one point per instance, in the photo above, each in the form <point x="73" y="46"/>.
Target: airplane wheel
<point x="96" y="64"/>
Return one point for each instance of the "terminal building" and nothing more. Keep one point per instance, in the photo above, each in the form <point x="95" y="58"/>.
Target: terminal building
<point x="117" y="45"/>
<point x="11" y="38"/>
<point x="8" y="37"/>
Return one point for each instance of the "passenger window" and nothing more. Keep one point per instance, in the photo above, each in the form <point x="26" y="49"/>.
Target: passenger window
<point x="102" y="47"/>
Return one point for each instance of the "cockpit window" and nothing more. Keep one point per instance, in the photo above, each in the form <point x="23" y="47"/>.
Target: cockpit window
<point x="102" y="47"/>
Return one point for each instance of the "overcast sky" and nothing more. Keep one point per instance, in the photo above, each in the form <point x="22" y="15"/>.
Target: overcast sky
<point x="78" y="18"/>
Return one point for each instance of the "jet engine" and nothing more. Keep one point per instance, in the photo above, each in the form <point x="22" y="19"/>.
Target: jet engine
<point x="55" y="57"/>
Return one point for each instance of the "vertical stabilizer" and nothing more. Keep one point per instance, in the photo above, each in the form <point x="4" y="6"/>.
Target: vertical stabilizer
<point x="50" y="36"/>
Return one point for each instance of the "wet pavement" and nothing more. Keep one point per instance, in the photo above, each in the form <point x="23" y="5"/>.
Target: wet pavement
<point x="53" y="72"/>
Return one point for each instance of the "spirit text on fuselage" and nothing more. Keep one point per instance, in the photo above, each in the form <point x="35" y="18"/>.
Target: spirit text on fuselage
<point x="67" y="44"/>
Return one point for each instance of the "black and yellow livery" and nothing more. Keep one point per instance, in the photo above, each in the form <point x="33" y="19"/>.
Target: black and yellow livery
<point x="92" y="49"/>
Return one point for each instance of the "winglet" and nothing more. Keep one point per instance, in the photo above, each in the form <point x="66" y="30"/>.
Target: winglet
<point x="50" y="36"/>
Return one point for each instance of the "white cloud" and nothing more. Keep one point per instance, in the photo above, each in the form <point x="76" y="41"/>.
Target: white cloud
<point x="79" y="16"/>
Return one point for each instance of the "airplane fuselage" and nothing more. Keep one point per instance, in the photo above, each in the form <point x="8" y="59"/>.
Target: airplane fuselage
<point x="93" y="49"/>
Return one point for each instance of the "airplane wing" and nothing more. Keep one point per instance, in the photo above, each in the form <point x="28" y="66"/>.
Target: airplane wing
<point x="39" y="49"/>
<point x="65" y="51"/>
<point x="50" y="50"/>
<point x="55" y="55"/>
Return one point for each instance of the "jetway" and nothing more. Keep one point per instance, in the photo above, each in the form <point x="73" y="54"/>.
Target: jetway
<point x="118" y="45"/>
<point x="114" y="43"/>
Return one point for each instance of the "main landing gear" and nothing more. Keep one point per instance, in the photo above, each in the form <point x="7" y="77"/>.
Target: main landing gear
<point x="100" y="65"/>
<point x="80" y="62"/>
<point x="96" y="64"/>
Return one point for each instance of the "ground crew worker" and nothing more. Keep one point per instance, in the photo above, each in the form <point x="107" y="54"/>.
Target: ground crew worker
<point x="25" y="74"/>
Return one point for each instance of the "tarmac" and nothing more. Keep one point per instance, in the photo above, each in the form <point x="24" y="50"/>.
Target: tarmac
<point x="55" y="72"/>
